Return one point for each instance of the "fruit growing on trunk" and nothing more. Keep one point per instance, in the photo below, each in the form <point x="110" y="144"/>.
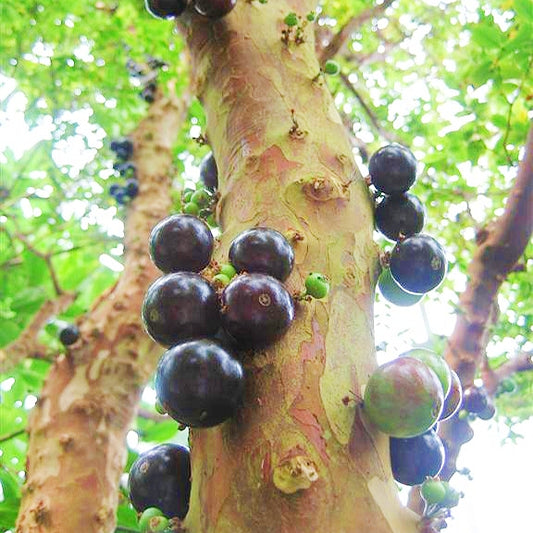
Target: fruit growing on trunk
<point x="475" y="399"/>
<point x="199" y="383"/>
<point x="433" y="491"/>
<point x="453" y="400"/>
<point x="161" y="477"/>
<point x="392" y="169"/>
<point x="165" y="9"/>
<point x="436" y="363"/>
<point x="69" y="335"/>
<point x="392" y="292"/>
<point x="214" y="8"/>
<point x="399" y="215"/>
<point x="209" y="172"/>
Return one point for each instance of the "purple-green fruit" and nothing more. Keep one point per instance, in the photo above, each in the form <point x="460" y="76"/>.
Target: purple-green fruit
<point x="392" y="292"/>
<point x="436" y="363"/>
<point x="452" y="497"/>
<point x="403" y="398"/>
<point x="453" y="400"/>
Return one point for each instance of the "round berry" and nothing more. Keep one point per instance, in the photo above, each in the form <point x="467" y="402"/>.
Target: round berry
<point x="256" y="310"/>
<point x="392" y="169"/>
<point x="209" y="172"/>
<point x="475" y="399"/>
<point x="414" y="459"/>
<point x="262" y="250"/>
<point x="180" y="306"/>
<point x="186" y="196"/>
<point x="221" y="280"/>
<point x="488" y="412"/>
<point x="433" y="491"/>
<point x="214" y="8"/>
<point x="418" y="264"/>
<point x="165" y="9"/>
<point x="317" y="285"/>
<point x="201" y="197"/>
<point x="69" y="335"/>
<point x="400" y="215"/>
<point x="199" y="383"/>
<point x="507" y="385"/>
<point x="190" y="208"/>
<point x="114" y="189"/>
<point x="434" y="361"/>
<point x="331" y="67"/>
<point x="452" y="497"/>
<point x="453" y="400"/>
<point x="228" y="270"/>
<point x="132" y="188"/>
<point x="145" y="520"/>
<point x="181" y="243"/>
<point x="121" y="197"/>
<point x="161" y="477"/>
<point x="392" y="292"/>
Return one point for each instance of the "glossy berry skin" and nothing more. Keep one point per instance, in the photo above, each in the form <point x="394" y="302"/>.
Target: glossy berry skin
<point x="392" y="292"/>
<point x="453" y="400"/>
<point x="436" y="362"/>
<point x="418" y="264"/>
<point x="256" y="310"/>
<point x="180" y="306"/>
<point x="199" y="383"/>
<point x="316" y="285"/>
<point x="392" y="169"/>
<point x="209" y="172"/>
<point x="262" y="250"/>
<point x="214" y="8"/>
<point x="181" y="243"/>
<point x="161" y="477"/>
<point x="414" y="459"/>
<point x="165" y="9"/>
<point x="69" y="335"/>
<point x="403" y="398"/>
<point x="401" y="214"/>
<point x="433" y="491"/>
<point x="475" y="399"/>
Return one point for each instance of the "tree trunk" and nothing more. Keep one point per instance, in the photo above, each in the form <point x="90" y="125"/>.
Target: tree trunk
<point x="298" y="458"/>
<point x="77" y="430"/>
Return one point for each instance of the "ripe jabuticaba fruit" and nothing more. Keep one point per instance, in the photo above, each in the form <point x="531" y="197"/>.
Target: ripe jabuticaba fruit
<point x="181" y="243"/>
<point x="214" y="8"/>
<point x="165" y="9"/>
<point x="453" y="400"/>
<point x="199" y="383"/>
<point x="392" y="292"/>
<point x="209" y="172"/>
<point x="414" y="459"/>
<point x="437" y="363"/>
<point x="399" y="215"/>
<point x="69" y="335"/>
<point x="392" y="169"/>
<point x="418" y="264"/>
<point x="180" y="306"/>
<point x="475" y="399"/>
<point x="256" y="310"/>
<point x="161" y="477"/>
<point x="262" y="250"/>
<point x="403" y="398"/>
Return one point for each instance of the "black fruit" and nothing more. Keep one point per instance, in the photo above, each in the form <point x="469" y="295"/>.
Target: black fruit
<point x="414" y="459"/>
<point x="392" y="169"/>
<point x="453" y="400"/>
<point x="69" y="335"/>
<point x="256" y="310"/>
<point x="165" y="9"/>
<point x="418" y="264"/>
<point x="475" y="399"/>
<point x="214" y="8"/>
<point x="123" y="148"/>
<point x="262" y="250"/>
<point x="148" y="93"/>
<point x="180" y="306"/>
<point x="488" y="412"/>
<point x="199" y="383"/>
<point x="161" y="477"/>
<point x="127" y="168"/>
<point x="209" y="172"/>
<point x="181" y="242"/>
<point x="132" y="188"/>
<point x="400" y="215"/>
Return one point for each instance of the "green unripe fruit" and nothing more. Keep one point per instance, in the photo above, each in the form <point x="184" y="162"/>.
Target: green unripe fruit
<point x="228" y="270"/>
<point x="433" y="491"/>
<point x="331" y="67"/>
<point x="317" y="285"/>
<point x="201" y="197"/>
<point x="211" y="221"/>
<point x="190" y="208"/>
<point x="392" y="292"/>
<point x="147" y="515"/>
<point x="291" y="19"/>
<point x="436" y="363"/>
<point x="452" y="496"/>
<point x="310" y="16"/>
<point x="507" y="385"/>
<point x="186" y="196"/>
<point x="221" y="280"/>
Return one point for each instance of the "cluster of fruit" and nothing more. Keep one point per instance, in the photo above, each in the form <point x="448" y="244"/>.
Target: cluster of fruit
<point x="200" y="201"/>
<point x="405" y="399"/>
<point x="168" y="9"/>
<point x="146" y="76"/>
<point x="417" y="261"/>
<point x="477" y="403"/>
<point x="123" y="149"/>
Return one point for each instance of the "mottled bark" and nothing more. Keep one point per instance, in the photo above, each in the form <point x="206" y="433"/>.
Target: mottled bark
<point x="284" y="161"/>
<point x="77" y="429"/>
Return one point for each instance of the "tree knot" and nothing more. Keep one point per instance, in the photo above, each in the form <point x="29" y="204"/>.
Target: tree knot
<point x="294" y="474"/>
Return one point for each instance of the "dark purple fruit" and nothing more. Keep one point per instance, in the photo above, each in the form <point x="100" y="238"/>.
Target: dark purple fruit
<point x="400" y="215"/>
<point x="125" y="169"/>
<point x="392" y="169"/>
<point x="123" y="148"/>
<point x="453" y="400"/>
<point x="69" y="335"/>
<point x="475" y="399"/>
<point x="114" y="189"/>
<point x="488" y="412"/>
<point x="165" y="9"/>
<point x="209" y="172"/>
<point x="181" y="243"/>
<point x="256" y="310"/>
<point x="199" y="383"/>
<point x="161" y="477"/>
<point x="418" y="264"/>
<point x="180" y="306"/>
<point x="214" y="8"/>
<point x="262" y="250"/>
<point x="414" y="459"/>
<point x="132" y="188"/>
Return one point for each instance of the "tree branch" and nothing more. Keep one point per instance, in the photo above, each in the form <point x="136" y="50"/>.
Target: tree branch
<point x="342" y="37"/>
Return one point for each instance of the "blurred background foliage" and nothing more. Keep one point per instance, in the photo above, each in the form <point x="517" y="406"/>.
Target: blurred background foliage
<point x="450" y="79"/>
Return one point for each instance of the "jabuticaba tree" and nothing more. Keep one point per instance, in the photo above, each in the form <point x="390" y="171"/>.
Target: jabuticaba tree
<point x="77" y="430"/>
<point x="298" y="457"/>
